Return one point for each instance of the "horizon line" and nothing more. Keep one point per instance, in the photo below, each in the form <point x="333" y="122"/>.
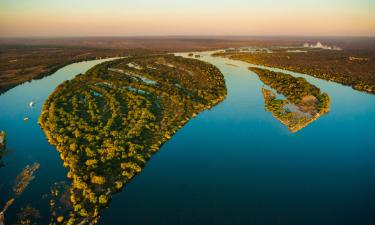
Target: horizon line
<point x="188" y="36"/>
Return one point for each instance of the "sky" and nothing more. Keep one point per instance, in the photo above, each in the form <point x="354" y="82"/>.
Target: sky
<point x="34" y="18"/>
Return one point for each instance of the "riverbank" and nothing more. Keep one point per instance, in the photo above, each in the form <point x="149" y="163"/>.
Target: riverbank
<point x="211" y="162"/>
<point x="337" y="66"/>
<point x="20" y="64"/>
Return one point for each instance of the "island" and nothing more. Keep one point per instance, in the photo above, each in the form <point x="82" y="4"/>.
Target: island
<point x="108" y="122"/>
<point x="302" y="102"/>
<point x="26" y="59"/>
<point x="2" y="147"/>
<point x="351" y="67"/>
<point x="2" y="140"/>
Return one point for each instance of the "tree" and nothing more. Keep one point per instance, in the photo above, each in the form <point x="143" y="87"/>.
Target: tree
<point x="98" y="180"/>
<point x="103" y="199"/>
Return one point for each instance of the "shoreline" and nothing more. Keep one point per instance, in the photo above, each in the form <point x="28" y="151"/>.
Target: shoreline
<point x="361" y="87"/>
<point x="50" y="72"/>
<point x="2" y="141"/>
<point x="153" y="113"/>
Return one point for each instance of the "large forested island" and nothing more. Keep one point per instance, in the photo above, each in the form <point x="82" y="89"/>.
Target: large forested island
<point x="303" y="101"/>
<point x="107" y="123"/>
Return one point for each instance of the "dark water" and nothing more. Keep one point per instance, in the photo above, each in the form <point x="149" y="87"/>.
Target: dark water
<point x="234" y="164"/>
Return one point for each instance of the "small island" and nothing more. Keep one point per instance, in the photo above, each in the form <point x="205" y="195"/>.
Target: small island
<point x="2" y="147"/>
<point x="2" y="140"/>
<point x="108" y="122"/>
<point x="303" y="103"/>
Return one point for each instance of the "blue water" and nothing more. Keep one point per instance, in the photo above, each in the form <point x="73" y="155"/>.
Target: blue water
<point x="26" y="142"/>
<point x="233" y="164"/>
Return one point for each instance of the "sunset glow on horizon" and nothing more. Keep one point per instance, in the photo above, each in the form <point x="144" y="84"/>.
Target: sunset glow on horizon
<point x="222" y="17"/>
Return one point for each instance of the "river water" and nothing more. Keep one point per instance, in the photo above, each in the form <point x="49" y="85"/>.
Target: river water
<point x="233" y="164"/>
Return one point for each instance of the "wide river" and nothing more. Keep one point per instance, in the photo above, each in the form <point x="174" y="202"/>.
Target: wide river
<point x="234" y="164"/>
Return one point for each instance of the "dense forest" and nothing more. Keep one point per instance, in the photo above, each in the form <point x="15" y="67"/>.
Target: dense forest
<point x="304" y="102"/>
<point x="108" y="122"/>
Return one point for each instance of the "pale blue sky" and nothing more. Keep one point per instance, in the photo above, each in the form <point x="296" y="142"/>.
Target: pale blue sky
<point x="186" y="17"/>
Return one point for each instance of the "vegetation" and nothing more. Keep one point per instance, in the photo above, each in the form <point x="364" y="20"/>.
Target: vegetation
<point x="2" y="146"/>
<point x="21" y="183"/>
<point x="2" y="213"/>
<point x="354" y="68"/>
<point x="19" y="64"/>
<point x="28" y="216"/>
<point x="24" y="59"/>
<point x="304" y="102"/>
<point x="24" y="178"/>
<point x="2" y="140"/>
<point x="59" y="201"/>
<point x="107" y="123"/>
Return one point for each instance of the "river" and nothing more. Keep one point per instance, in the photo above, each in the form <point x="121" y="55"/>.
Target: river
<point x="233" y="164"/>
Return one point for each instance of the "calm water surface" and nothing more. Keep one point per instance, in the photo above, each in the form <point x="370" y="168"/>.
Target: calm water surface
<point x="234" y="164"/>
<point x="26" y="142"/>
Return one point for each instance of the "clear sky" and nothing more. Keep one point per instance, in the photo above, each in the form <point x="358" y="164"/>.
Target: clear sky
<point x="186" y="17"/>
